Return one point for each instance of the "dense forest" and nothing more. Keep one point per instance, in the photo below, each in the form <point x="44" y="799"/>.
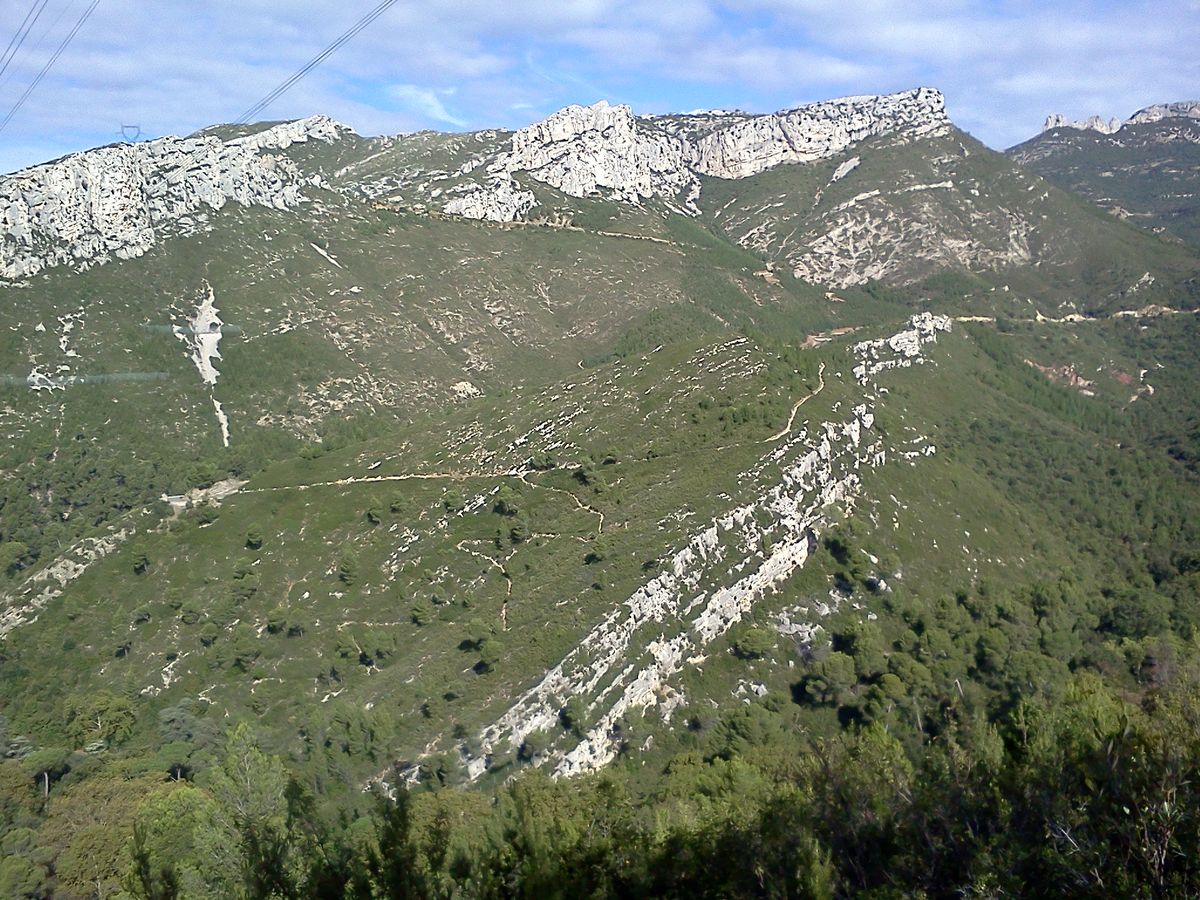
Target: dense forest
<point x="1089" y="792"/>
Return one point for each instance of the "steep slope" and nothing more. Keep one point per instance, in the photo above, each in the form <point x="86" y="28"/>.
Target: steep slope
<point x="187" y="310"/>
<point x="601" y="545"/>
<point x="737" y="436"/>
<point x="902" y="208"/>
<point x="266" y="321"/>
<point x="1145" y="169"/>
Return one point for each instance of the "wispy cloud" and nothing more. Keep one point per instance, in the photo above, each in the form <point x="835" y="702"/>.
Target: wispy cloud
<point x="425" y="102"/>
<point x="176" y="65"/>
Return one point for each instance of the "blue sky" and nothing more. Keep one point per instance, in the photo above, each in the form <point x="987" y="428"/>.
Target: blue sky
<point x="173" y="66"/>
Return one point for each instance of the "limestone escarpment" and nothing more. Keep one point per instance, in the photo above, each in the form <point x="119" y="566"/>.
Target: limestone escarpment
<point x="604" y="150"/>
<point x="815" y="132"/>
<point x="118" y="201"/>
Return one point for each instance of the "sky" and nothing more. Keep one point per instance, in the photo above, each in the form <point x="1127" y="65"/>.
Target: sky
<point x="147" y="68"/>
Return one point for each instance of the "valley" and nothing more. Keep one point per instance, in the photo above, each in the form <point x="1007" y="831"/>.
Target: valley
<point x="550" y="511"/>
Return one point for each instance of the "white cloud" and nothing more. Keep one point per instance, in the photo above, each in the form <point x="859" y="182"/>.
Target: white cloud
<point x="173" y="66"/>
<point x="426" y="102"/>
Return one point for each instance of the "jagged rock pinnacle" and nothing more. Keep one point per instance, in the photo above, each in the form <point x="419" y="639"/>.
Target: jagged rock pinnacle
<point x="1188" y="109"/>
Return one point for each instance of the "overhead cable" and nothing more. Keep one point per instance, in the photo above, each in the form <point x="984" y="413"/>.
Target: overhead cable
<point x="18" y="39"/>
<point x="315" y="61"/>
<point x="290" y="82"/>
<point x="49" y="63"/>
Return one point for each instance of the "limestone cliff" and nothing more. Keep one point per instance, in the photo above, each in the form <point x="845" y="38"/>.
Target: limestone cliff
<point x="815" y="132"/>
<point x="604" y="150"/>
<point x="582" y="150"/>
<point x="118" y="201"/>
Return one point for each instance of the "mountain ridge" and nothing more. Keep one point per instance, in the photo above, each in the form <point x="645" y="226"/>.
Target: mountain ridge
<point x="1145" y="169"/>
<point x="324" y="485"/>
<point x="113" y="201"/>
<point x="1186" y="109"/>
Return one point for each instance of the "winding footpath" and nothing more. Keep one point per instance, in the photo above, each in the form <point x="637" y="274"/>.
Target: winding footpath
<point x="786" y="430"/>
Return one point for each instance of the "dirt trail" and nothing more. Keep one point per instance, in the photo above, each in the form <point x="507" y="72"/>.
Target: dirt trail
<point x="376" y="479"/>
<point x="796" y="408"/>
<point x="579" y="504"/>
<point x="1152" y="311"/>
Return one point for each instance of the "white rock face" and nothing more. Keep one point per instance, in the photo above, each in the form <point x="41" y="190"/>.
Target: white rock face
<point x="604" y="150"/>
<point x="1091" y="123"/>
<point x="845" y="169"/>
<point x="118" y="201"/>
<point x="816" y="132"/>
<point x="583" y="150"/>
<point x="502" y="200"/>
<point x="711" y="582"/>
<point x="202" y="338"/>
<point x="1186" y="109"/>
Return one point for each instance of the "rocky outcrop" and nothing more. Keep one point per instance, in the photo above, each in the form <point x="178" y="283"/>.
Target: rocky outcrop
<point x="901" y="350"/>
<point x="118" y="201"/>
<point x="816" y="132"/>
<point x="710" y="583"/>
<point x="583" y="150"/>
<point x="1091" y="123"/>
<point x="24" y="604"/>
<point x="603" y="150"/>
<point x="1185" y="109"/>
<point x="501" y="200"/>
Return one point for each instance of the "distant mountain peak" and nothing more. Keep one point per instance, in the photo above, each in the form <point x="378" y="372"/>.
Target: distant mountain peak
<point x="1188" y="109"/>
<point x="1184" y="109"/>
<point x="1091" y="123"/>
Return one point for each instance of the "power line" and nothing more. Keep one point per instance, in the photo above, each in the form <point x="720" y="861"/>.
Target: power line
<point x="315" y="61"/>
<point x="290" y="82"/>
<point x="49" y="63"/>
<point x="18" y="39"/>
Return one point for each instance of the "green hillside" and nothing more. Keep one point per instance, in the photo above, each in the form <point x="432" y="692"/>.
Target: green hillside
<point x="950" y="216"/>
<point x="1147" y="173"/>
<point x="607" y="552"/>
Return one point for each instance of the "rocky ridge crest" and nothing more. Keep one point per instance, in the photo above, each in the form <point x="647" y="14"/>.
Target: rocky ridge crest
<point x="605" y="150"/>
<point x="1186" y="109"/>
<point x="118" y="201"/>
